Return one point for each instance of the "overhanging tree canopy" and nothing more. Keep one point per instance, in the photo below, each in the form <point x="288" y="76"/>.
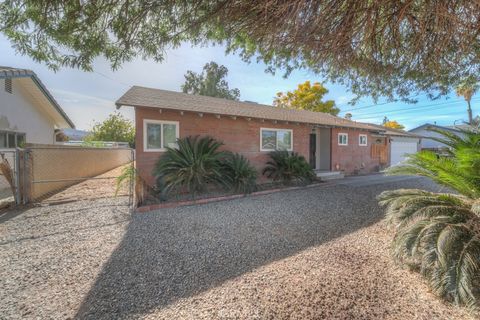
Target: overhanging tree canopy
<point x="379" y="48"/>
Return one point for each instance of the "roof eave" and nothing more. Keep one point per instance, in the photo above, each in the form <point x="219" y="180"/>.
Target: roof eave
<point x="120" y="104"/>
<point x="24" y="73"/>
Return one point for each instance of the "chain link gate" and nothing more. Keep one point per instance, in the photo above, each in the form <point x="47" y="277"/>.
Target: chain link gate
<point x="56" y="174"/>
<point x="9" y="177"/>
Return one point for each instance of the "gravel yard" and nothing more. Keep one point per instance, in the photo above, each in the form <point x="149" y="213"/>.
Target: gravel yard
<point x="319" y="253"/>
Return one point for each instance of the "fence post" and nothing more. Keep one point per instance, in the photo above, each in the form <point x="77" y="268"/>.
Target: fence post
<point x="17" y="177"/>
<point x="131" y="195"/>
<point x="26" y="176"/>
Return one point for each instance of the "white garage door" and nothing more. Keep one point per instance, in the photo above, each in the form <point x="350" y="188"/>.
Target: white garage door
<point x="400" y="147"/>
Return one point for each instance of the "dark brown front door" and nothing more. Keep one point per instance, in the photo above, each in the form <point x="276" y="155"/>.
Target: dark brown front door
<point x="313" y="147"/>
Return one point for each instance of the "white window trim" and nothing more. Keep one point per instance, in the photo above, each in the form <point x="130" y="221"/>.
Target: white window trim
<point x="338" y="139"/>
<point x="16" y="135"/>
<point x="276" y="129"/>
<point x="359" y="140"/>
<point x="162" y="122"/>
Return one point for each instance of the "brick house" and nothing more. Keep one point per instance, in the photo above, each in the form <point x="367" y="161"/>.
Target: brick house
<point x="329" y="143"/>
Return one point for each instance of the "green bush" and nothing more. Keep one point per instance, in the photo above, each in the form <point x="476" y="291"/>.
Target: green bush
<point x="438" y="234"/>
<point x="241" y="173"/>
<point x="288" y="167"/>
<point x="196" y="163"/>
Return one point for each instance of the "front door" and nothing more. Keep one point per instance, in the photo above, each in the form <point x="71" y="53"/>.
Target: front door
<point x="313" y="147"/>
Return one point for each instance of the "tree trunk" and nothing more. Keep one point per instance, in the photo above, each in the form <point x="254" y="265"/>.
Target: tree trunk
<point x="470" y="116"/>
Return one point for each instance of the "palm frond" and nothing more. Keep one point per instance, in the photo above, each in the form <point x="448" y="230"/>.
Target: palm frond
<point x="288" y="167"/>
<point x="195" y="163"/>
<point x="461" y="138"/>
<point x="241" y="173"/>
<point x="445" y="171"/>
<point x="439" y="235"/>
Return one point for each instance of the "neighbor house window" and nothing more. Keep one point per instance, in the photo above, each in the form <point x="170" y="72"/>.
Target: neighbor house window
<point x="362" y="140"/>
<point x="343" y="139"/>
<point x="158" y="135"/>
<point x="276" y="139"/>
<point x="10" y="139"/>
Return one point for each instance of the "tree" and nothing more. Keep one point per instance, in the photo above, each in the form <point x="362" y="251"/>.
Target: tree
<point x="210" y="82"/>
<point x="306" y="97"/>
<point x="438" y="234"/>
<point x="60" y="136"/>
<point x="114" y="128"/>
<point x="467" y="89"/>
<point x="392" y="124"/>
<point x="377" y="48"/>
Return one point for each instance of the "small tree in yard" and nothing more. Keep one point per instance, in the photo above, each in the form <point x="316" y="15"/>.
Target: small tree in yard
<point x="115" y="128"/>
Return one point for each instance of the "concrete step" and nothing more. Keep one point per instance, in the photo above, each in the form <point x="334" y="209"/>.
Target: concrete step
<point x="329" y="175"/>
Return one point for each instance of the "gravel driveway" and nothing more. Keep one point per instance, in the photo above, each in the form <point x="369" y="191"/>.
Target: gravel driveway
<point x="319" y="253"/>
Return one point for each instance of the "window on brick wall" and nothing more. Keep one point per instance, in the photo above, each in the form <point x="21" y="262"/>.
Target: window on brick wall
<point x="276" y="139"/>
<point x="362" y="140"/>
<point x="158" y="135"/>
<point x="343" y="139"/>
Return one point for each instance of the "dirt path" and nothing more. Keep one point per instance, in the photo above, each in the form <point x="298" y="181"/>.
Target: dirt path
<point x="102" y="187"/>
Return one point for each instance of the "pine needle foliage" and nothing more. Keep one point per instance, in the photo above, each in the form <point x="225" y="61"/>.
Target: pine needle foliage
<point x="376" y="48"/>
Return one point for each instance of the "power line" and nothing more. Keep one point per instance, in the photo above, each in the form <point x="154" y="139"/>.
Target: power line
<point x="441" y="114"/>
<point x="112" y="79"/>
<point x="416" y="108"/>
<point x="379" y="104"/>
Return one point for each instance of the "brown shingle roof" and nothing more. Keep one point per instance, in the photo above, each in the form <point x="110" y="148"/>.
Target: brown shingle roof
<point x="163" y="99"/>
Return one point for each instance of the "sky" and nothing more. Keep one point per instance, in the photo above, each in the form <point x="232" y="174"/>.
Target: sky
<point x="89" y="97"/>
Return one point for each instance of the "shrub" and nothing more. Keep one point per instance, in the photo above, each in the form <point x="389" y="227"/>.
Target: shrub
<point x="129" y="175"/>
<point x="195" y="164"/>
<point x="241" y="173"/>
<point x="439" y="234"/>
<point x="288" y="167"/>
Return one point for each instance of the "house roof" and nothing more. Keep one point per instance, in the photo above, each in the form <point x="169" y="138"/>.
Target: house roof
<point x="9" y="73"/>
<point x="428" y="125"/>
<point x="461" y="127"/>
<point x="162" y="99"/>
<point x="394" y="132"/>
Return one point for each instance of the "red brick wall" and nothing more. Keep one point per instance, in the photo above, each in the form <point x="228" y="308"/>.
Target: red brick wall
<point x="238" y="135"/>
<point x="353" y="158"/>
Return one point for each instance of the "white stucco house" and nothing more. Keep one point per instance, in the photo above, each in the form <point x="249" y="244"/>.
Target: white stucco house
<point x="28" y="112"/>
<point x="427" y="142"/>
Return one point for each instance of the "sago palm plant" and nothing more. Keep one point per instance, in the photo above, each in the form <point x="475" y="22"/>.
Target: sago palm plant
<point x="438" y="234"/>
<point x="241" y="173"/>
<point x="288" y="167"/>
<point x="193" y="165"/>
